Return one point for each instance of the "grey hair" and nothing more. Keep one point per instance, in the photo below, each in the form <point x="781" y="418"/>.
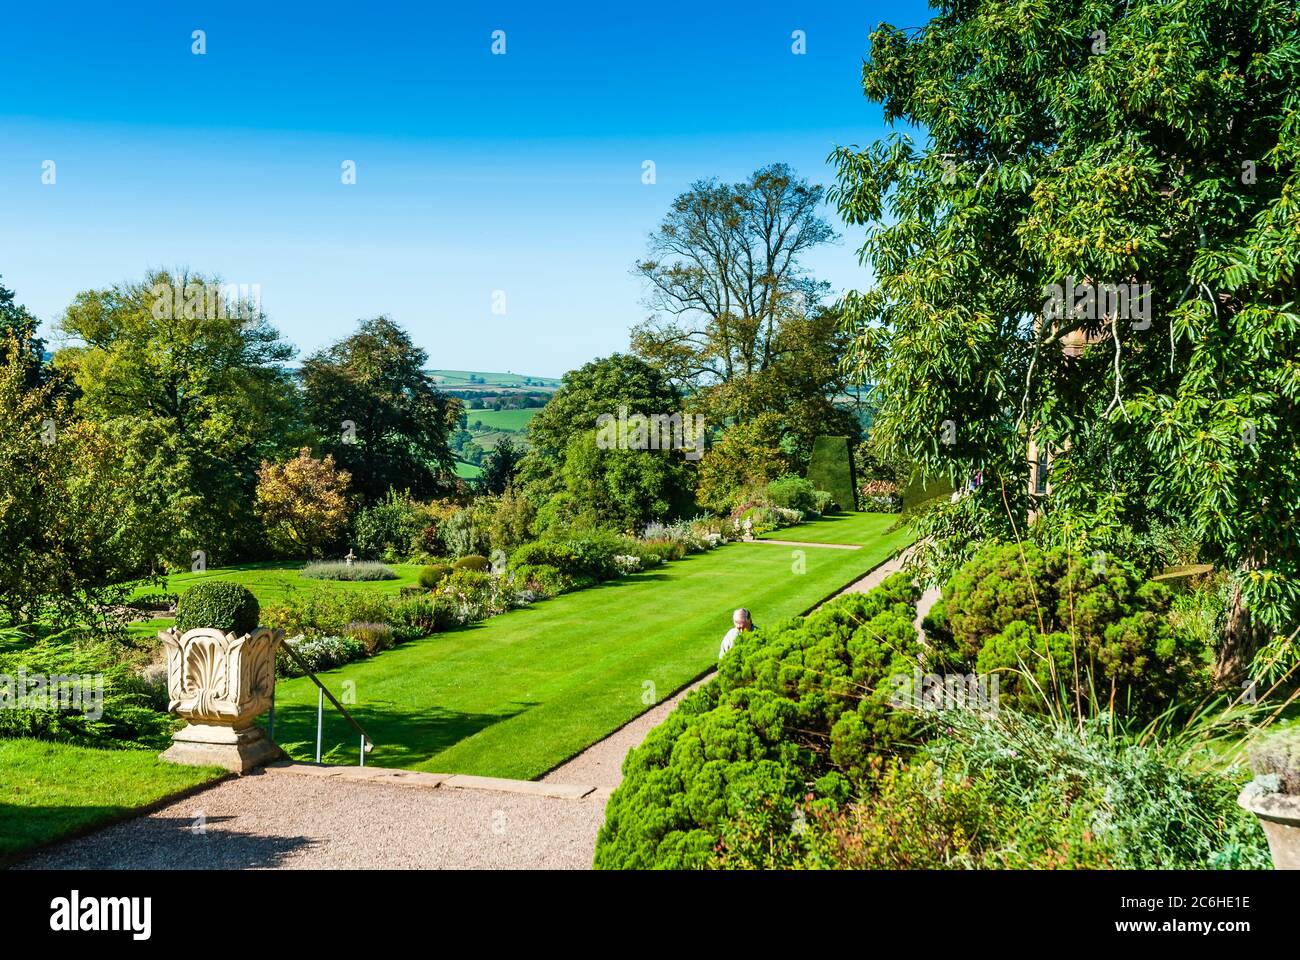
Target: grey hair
<point x="744" y="612"/>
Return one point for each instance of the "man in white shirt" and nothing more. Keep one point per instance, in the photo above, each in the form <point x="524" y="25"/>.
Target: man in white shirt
<point x="740" y="621"/>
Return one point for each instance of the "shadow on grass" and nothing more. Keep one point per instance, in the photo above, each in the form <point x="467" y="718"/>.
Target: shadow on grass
<point x="156" y="843"/>
<point x="402" y="738"/>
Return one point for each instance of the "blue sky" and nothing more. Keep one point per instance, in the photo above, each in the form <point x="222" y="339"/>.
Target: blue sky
<point x="475" y="173"/>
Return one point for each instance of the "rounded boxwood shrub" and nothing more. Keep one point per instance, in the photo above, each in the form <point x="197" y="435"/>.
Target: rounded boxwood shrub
<point x="220" y="605"/>
<point x="794" y="493"/>
<point x="473" y="561"/>
<point x="1050" y="622"/>
<point x="796" y="708"/>
<point x="434" y="574"/>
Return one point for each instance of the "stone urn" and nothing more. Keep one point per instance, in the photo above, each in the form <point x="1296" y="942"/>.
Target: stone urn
<point x="220" y="683"/>
<point x="1279" y="815"/>
<point x="1274" y="795"/>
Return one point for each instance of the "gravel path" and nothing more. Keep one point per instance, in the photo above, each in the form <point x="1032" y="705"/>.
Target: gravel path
<point x="281" y="819"/>
<point x="875" y="577"/>
<point x="601" y="764"/>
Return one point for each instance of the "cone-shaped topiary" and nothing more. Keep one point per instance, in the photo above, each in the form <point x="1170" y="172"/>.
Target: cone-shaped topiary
<point x="220" y="605"/>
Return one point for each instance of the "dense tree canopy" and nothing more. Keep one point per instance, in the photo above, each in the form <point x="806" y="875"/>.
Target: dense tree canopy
<point x="200" y="389"/>
<point x="574" y="477"/>
<point x="1144" y="143"/>
<point x="17" y="322"/>
<point x="379" y="414"/>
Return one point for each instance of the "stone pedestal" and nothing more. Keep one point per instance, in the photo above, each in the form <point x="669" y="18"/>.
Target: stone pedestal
<point x="221" y="683"/>
<point x="1279" y="815"/>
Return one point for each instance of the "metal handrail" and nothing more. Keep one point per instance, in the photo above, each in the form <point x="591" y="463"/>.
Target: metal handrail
<point x="366" y="743"/>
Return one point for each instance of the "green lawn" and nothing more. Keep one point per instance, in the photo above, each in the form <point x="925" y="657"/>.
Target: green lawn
<point x="277" y="579"/>
<point x="521" y="693"/>
<point x="468" y="471"/>
<point x="855" y="528"/>
<point x="48" y="790"/>
<point x="508" y="420"/>
<point x="273" y="581"/>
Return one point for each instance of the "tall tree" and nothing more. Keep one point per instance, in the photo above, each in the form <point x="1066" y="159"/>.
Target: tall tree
<point x="379" y="414"/>
<point x="1089" y="144"/>
<point x="185" y="369"/>
<point x="17" y="325"/>
<point x="573" y="478"/>
<point x="500" y="465"/>
<point x="79" y="510"/>
<point x="738" y="321"/>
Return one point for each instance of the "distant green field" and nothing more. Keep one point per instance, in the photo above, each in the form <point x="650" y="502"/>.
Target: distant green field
<point x="468" y="471"/>
<point x="461" y="378"/>
<point x="509" y="420"/>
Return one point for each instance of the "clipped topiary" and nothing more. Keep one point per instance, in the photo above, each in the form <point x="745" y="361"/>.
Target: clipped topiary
<point x="472" y="561"/>
<point x="434" y="574"/>
<point x="220" y="605"/>
<point x="830" y="468"/>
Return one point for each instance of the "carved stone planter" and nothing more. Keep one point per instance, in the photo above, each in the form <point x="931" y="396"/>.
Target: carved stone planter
<point x="1279" y="815"/>
<point x="220" y="683"/>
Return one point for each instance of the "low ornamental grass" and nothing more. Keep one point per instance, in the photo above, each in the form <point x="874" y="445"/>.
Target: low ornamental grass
<point x="358" y="571"/>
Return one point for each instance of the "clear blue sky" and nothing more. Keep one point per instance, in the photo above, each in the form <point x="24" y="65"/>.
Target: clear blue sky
<point x="475" y="172"/>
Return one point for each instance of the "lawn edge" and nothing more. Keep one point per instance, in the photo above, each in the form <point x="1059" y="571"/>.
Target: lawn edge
<point x="9" y="860"/>
<point x="714" y="668"/>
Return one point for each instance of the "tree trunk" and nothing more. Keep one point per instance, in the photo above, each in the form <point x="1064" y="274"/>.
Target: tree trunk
<point x="1242" y="638"/>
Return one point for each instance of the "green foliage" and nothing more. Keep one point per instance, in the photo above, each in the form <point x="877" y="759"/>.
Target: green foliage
<point x="195" y="393"/>
<point x="512" y="521"/>
<point x="434" y="574"/>
<point x="375" y="379"/>
<point x="746" y="342"/>
<point x="792" y="492"/>
<point x="574" y="481"/>
<point x="736" y="468"/>
<point x="1012" y="792"/>
<point x="18" y="341"/>
<point x="472" y="561"/>
<point x="319" y="652"/>
<point x="421" y="616"/>
<point x="132" y="714"/>
<point x="78" y="515"/>
<point x="824" y="502"/>
<point x="542" y="579"/>
<point x="797" y="703"/>
<point x="462" y="534"/>
<point x="375" y="637"/>
<point x="1278" y="755"/>
<point x="393" y="528"/>
<point x="358" y="571"/>
<point x="1050" y="622"/>
<point x="500" y="466"/>
<point x="219" y="605"/>
<point x="915" y="818"/>
<point x="1153" y="805"/>
<point x="572" y="558"/>
<point x="830" y="468"/>
<point x="1046" y="162"/>
<point x="327" y="612"/>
